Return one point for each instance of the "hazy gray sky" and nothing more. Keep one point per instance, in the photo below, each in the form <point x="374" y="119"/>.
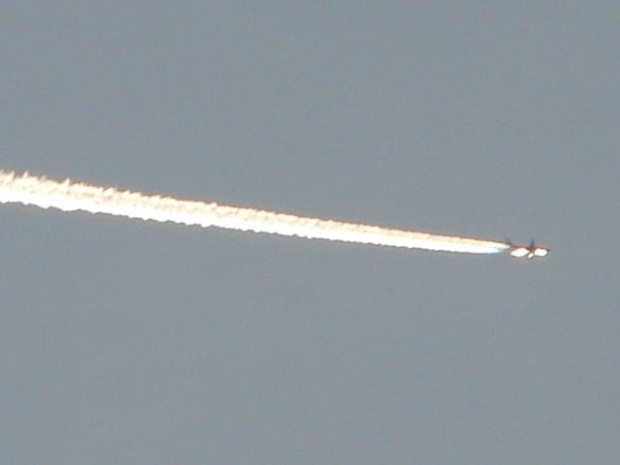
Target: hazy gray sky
<point x="140" y="343"/>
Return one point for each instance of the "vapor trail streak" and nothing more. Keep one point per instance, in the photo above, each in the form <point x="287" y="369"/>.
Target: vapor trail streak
<point x="69" y="196"/>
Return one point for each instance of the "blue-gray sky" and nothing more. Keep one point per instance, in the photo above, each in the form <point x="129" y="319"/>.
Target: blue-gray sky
<point x="141" y="343"/>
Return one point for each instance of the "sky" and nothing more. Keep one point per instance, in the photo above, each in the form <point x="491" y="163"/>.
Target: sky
<point x="131" y="342"/>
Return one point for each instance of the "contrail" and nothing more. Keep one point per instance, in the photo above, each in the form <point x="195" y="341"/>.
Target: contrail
<point x="69" y="196"/>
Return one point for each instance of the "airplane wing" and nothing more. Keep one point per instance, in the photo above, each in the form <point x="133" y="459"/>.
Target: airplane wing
<point x="519" y="252"/>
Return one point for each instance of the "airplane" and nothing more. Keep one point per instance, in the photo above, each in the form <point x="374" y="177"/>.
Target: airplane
<point x="522" y="251"/>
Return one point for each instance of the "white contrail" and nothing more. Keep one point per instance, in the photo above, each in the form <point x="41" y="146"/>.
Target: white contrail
<point x="69" y="196"/>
